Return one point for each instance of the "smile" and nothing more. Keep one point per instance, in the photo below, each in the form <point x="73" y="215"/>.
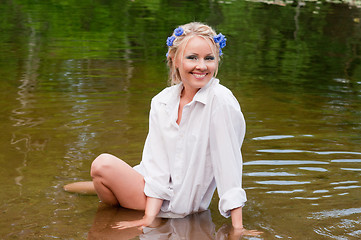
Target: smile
<point x="199" y="75"/>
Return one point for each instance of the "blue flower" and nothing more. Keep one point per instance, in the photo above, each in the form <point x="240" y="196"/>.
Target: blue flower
<point x="221" y="40"/>
<point x="222" y="43"/>
<point x="170" y="41"/>
<point x="218" y="38"/>
<point x="178" y="31"/>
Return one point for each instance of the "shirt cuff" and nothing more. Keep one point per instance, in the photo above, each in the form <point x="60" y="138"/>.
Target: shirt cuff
<point x="155" y="190"/>
<point x="233" y="198"/>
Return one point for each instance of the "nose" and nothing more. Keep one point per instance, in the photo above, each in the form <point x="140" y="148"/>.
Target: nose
<point x="201" y="65"/>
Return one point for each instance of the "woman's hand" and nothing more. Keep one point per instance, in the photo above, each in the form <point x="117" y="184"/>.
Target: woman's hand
<point x="144" y="222"/>
<point x="237" y="233"/>
<point x="152" y="208"/>
<point x="237" y="230"/>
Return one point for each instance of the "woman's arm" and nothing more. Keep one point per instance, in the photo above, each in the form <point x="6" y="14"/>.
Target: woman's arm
<point x="237" y="223"/>
<point x="227" y="130"/>
<point x="236" y="215"/>
<point x="152" y="208"/>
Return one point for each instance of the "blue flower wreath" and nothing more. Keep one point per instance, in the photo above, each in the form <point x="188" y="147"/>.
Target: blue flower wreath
<point x="220" y="39"/>
<point x="170" y="41"/>
<point x="178" y="31"/>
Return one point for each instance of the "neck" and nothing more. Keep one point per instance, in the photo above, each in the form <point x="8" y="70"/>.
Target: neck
<point x="188" y="94"/>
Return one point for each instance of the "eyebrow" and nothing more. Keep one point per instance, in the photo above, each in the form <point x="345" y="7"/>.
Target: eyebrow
<point x="198" y="54"/>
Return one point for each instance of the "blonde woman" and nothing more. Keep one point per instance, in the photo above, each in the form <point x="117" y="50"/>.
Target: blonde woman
<point x="196" y="130"/>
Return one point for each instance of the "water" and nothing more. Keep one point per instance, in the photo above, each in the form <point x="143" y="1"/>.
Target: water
<point x="77" y="78"/>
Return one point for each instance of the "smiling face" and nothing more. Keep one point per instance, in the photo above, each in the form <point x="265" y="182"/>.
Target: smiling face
<point x="196" y="63"/>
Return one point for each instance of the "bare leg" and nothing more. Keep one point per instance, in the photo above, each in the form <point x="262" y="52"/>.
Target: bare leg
<point x="116" y="183"/>
<point x="86" y="187"/>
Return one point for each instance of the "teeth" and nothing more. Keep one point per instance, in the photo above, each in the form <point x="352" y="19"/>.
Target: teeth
<point x="199" y="75"/>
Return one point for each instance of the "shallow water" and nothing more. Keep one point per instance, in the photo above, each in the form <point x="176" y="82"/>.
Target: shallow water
<point x="77" y="78"/>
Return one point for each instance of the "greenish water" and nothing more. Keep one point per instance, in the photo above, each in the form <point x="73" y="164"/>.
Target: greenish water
<point x="77" y="78"/>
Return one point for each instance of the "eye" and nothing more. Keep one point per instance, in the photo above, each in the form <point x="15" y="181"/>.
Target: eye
<point x="192" y="57"/>
<point x="209" y="58"/>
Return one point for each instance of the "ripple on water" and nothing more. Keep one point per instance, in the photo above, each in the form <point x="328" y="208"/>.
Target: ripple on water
<point x="281" y="182"/>
<point x="273" y="137"/>
<point x="337" y="152"/>
<point x="352" y="169"/>
<point x="270" y="174"/>
<point x="315" y="169"/>
<point x="306" y="198"/>
<point x="287" y="191"/>
<point x="320" y="191"/>
<point x="281" y="151"/>
<point x="346" y="160"/>
<point x="306" y="151"/>
<point x="344" y="182"/>
<point x="335" y="213"/>
<point x="283" y="162"/>
<point x="277" y="137"/>
<point x="347" y="187"/>
<point x="333" y="229"/>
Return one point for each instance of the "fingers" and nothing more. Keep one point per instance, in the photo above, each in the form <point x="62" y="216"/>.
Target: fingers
<point x="245" y="232"/>
<point x="140" y="224"/>
<point x="252" y="233"/>
<point x="127" y="224"/>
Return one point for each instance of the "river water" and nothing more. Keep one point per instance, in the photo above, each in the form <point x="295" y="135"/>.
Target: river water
<point x="77" y="78"/>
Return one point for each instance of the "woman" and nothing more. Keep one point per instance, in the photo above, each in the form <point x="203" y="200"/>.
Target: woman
<point x="196" y="130"/>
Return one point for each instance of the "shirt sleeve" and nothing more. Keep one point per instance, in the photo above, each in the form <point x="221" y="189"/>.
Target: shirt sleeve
<point x="227" y="130"/>
<point x="154" y="164"/>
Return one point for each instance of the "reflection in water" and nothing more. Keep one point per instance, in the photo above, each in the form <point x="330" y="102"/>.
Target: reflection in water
<point x="305" y="151"/>
<point x="283" y="162"/>
<point x="21" y="116"/>
<point x="304" y="2"/>
<point x="278" y="182"/>
<point x="25" y="144"/>
<point x="317" y="169"/>
<point x="352" y="169"/>
<point x="346" y="160"/>
<point x="342" y="219"/>
<point x="198" y="226"/>
<point x="292" y="191"/>
<point x="336" y="213"/>
<point x="273" y="137"/>
<point x="75" y="85"/>
<point x="269" y="174"/>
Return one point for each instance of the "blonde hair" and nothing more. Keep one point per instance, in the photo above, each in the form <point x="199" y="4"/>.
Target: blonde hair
<point x="189" y="30"/>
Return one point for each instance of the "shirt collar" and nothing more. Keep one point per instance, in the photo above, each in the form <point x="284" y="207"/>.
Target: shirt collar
<point x="173" y="94"/>
<point x="201" y="96"/>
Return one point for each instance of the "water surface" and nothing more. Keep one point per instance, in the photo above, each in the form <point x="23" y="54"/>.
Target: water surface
<point x="77" y="78"/>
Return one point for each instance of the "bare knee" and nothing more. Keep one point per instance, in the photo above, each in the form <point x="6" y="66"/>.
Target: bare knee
<point x="100" y="165"/>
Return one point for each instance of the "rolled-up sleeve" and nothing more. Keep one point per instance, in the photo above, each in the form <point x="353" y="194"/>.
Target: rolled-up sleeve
<point x="227" y="130"/>
<point x="154" y="165"/>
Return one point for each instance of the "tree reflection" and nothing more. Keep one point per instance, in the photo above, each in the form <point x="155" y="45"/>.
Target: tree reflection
<point x="21" y="116"/>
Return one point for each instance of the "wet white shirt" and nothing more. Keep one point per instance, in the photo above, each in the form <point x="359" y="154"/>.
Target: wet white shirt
<point x="182" y="164"/>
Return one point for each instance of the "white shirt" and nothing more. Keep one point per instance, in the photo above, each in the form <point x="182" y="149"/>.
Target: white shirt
<point x="183" y="164"/>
